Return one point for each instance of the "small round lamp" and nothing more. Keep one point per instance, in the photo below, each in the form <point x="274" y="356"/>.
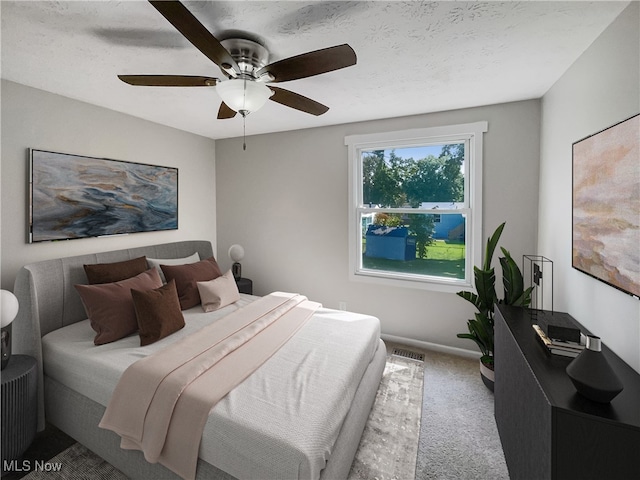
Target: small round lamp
<point x="236" y="253"/>
<point x="8" y="311"/>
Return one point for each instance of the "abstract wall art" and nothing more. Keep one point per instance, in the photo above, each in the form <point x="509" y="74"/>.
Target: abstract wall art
<point x="606" y="205"/>
<point x="73" y="196"/>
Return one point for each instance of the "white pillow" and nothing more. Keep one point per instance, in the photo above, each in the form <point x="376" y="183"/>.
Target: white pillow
<point x="219" y="292"/>
<point x="156" y="262"/>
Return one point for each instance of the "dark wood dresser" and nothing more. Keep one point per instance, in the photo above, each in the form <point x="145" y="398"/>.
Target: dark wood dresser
<point x="547" y="429"/>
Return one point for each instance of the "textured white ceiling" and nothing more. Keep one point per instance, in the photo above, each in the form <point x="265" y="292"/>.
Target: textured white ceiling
<point x="413" y="57"/>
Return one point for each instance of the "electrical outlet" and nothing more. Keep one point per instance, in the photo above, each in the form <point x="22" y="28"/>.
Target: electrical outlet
<point x="342" y="305"/>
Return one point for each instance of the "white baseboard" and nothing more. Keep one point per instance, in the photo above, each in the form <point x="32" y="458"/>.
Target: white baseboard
<point x="461" y="352"/>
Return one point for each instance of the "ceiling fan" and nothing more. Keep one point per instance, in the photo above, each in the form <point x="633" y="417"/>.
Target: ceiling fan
<point x="245" y="64"/>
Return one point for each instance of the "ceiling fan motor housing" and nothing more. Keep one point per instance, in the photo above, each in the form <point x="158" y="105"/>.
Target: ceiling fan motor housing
<point x="249" y="55"/>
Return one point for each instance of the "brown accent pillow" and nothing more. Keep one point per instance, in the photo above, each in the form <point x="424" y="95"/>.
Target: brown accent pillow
<point x="114" y="272"/>
<point x="109" y="306"/>
<point x="187" y="277"/>
<point x="158" y="312"/>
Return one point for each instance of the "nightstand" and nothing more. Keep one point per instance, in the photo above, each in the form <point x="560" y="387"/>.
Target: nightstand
<point x="245" y="285"/>
<point x="19" y="406"/>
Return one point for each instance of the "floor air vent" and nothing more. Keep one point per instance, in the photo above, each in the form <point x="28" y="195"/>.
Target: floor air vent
<point x="401" y="352"/>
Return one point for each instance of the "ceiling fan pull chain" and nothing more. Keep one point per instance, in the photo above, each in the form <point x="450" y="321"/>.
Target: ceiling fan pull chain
<point x="244" y="118"/>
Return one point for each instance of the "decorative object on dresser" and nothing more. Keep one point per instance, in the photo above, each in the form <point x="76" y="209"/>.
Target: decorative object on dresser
<point x="592" y="375"/>
<point x="559" y="347"/>
<point x="481" y="328"/>
<point x="537" y="272"/>
<point x="236" y="253"/>
<point x="116" y="198"/>
<point x="547" y="429"/>
<point x="8" y="311"/>
<point x="559" y="328"/>
<point x="19" y="408"/>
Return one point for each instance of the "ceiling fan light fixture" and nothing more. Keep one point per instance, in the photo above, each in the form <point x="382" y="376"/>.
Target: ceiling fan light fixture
<point x="242" y="95"/>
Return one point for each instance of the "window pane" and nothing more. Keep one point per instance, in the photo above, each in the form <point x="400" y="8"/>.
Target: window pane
<point x="428" y="184"/>
<point x="414" y="244"/>
<point x="411" y="176"/>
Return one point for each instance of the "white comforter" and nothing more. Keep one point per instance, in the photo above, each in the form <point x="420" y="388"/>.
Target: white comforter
<point x="281" y="422"/>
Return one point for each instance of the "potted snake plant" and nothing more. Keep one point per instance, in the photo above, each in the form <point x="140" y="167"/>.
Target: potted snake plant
<point x="481" y="327"/>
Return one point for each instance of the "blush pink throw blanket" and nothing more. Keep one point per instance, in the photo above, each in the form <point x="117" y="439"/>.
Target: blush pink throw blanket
<point x="161" y="403"/>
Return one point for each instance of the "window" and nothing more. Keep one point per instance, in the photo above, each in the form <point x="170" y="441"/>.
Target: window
<point x="415" y="214"/>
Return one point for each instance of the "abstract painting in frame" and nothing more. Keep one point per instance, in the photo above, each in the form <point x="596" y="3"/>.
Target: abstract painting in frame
<point x="73" y="196"/>
<point x="606" y="205"/>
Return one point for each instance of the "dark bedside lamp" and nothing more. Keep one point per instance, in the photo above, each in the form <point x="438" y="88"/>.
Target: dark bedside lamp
<point x="236" y="253"/>
<point x="8" y="310"/>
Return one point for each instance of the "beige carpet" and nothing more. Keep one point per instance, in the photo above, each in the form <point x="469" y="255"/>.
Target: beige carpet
<point x="459" y="438"/>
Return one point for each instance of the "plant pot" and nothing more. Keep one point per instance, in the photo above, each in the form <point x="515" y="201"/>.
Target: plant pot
<point x="487" y="375"/>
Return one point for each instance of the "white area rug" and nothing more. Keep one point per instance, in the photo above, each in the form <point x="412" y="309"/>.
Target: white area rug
<point x="389" y="444"/>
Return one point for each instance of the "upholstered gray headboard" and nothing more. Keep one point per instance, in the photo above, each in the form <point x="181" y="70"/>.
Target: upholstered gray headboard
<point x="48" y="299"/>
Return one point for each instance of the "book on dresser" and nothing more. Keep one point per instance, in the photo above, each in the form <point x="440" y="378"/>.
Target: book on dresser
<point x="560" y="347"/>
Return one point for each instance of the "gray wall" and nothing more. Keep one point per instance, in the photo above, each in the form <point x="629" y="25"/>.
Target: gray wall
<point x="285" y="200"/>
<point x="600" y="89"/>
<point x="37" y="119"/>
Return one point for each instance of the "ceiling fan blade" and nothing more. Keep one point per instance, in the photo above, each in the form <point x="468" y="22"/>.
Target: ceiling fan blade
<point x="297" y="101"/>
<point x="310" y="63"/>
<point x="168" y="80"/>
<point x="189" y="26"/>
<point x="225" y="112"/>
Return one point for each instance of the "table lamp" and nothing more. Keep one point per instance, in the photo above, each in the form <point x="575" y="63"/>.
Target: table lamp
<point x="8" y="310"/>
<point x="236" y="253"/>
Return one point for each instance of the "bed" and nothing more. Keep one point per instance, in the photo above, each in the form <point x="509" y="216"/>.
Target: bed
<point x="280" y="422"/>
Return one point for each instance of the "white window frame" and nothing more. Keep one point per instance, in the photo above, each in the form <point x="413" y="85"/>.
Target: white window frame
<point x="472" y="135"/>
